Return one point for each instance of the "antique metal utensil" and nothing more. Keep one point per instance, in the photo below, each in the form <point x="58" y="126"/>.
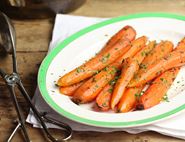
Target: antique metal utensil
<point x="8" y="42"/>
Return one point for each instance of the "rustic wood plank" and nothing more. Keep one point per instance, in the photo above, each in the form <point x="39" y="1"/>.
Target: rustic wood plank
<point x="28" y="64"/>
<point x="42" y="31"/>
<point x="111" y="8"/>
<point x="33" y="37"/>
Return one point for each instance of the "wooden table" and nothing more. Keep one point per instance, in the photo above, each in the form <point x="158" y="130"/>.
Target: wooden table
<point x="32" y="43"/>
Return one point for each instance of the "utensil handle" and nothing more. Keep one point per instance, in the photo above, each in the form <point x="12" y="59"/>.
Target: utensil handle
<point x="38" y="116"/>
<point x="14" y="131"/>
<point x="20" y="116"/>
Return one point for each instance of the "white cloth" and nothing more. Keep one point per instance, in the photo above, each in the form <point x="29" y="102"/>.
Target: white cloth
<point x="65" y="25"/>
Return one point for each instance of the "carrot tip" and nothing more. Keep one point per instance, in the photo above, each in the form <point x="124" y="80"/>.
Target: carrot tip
<point x="118" y="111"/>
<point x="76" y="101"/>
<point x="140" y="107"/>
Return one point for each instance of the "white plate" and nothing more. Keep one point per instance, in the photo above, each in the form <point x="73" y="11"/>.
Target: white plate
<point x="83" y="45"/>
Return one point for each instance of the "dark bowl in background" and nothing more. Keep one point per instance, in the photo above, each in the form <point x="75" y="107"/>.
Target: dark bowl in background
<point x="37" y="9"/>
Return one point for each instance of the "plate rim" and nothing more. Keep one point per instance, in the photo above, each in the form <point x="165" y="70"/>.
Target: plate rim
<point x="48" y="59"/>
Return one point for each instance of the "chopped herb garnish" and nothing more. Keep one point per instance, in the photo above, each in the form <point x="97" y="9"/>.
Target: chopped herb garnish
<point x="108" y="55"/>
<point x="137" y="62"/>
<point x="112" y="82"/>
<point x="142" y="92"/>
<point x="117" y="77"/>
<point x="94" y="79"/>
<point x="178" y="81"/>
<point x="110" y="90"/>
<point x="78" y="70"/>
<point x="104" y="104"/>
<point x="116" y="48"/>
<point x="96" y="86"/>
<point x="163" y="80"/>
<point x="143" y="53"/>
<point x="105" y="58"/>
<point x="138" y="95"/>
<point x="96" y="71"/>
<point x="105" y="69"/>
<point x="113" y="71"/>
<point x="165" y="98"/>
<point x="142" y="66"/>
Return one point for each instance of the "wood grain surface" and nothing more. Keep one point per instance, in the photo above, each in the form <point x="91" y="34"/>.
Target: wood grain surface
<point x="33" y="38"/>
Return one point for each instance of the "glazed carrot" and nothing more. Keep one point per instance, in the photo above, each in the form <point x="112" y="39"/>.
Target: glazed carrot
<point x="161" y="50"/>
<point x="157" y="91"/>
<point x="90" y="89"/>
<point x="174" y="59"/>
<point x="104" y="97"/>
<point x="128" y="72"/>
<point x="136" y="46"/>
<point x="129" y="98"/>
<point x="100" y="61"/>
<point x="121" y="34"/>
<point x="69" y="90"/>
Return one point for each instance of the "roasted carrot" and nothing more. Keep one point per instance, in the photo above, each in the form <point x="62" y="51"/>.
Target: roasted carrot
<point x="121" y="34"/>
<point x="157" y="91"/>
<point x="174" y="59"/>
<point x="104" y="97"/>
<point x="136" y="46"/>
<point x="100" y="61"/>
<point x="90" y="89"/>
<point x="128" y="72"/>
<point x="130" y="97"/>
<point x="160" y="50"/>
<point x="69" y="90"/>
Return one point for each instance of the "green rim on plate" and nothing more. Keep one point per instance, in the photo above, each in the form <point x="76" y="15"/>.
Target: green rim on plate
<point x="46" y="63"/>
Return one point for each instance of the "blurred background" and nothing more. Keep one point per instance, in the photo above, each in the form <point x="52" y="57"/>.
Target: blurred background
<point x="34" y="9"/>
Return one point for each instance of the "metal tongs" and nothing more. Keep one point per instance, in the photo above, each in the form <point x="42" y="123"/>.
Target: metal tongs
<point x="7" y="43"/>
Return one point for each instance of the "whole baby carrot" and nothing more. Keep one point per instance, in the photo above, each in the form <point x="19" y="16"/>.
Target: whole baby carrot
<point x="121" y="34"/>
<point x="130" y="97"/>
<point x="91" y="88"/>
<point x="104" y="97"/>
<point x="174" y="59"/>
<point x="128" y="72"/>
<point x="69" y="90"/>
<point x="99" y="62"/>
<point x="157" y="91"/>
<point x="105" y="93"/>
